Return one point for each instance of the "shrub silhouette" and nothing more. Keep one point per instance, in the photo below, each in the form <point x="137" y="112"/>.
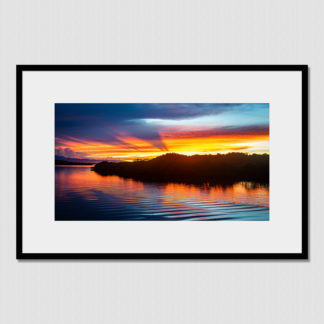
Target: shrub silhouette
<point x="173" y="167"/>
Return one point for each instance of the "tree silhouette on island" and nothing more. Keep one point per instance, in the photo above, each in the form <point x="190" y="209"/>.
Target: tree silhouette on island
<point x="173" y="167"/>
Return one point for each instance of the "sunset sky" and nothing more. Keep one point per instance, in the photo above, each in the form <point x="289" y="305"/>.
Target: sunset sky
<point x="143" y="131"/>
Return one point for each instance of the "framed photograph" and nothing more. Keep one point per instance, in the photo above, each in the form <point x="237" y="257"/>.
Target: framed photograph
<point x="162" y="162"/>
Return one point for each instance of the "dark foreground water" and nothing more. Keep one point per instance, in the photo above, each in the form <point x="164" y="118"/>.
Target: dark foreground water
<point x="82" y="194"/>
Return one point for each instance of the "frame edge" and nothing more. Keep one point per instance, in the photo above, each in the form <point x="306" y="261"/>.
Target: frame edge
<point x="19" y="178"/>
<point x="20" y="255"/>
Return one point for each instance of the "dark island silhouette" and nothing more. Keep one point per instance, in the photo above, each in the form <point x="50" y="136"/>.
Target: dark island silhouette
<point x="172" y="167"/>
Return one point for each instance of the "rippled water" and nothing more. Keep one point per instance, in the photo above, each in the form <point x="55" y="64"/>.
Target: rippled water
<point x="82" y="194"/>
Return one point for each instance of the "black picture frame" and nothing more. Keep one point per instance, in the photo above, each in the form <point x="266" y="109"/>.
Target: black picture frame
<point x="303" y="255"/>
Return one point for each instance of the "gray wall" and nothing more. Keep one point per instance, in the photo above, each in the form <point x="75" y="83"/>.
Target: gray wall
<point x="159" y="32"/>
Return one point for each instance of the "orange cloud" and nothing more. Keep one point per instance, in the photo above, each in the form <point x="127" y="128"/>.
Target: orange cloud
<point x="179" y="140"/>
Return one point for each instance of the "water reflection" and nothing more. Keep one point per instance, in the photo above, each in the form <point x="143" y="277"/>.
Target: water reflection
<point x="81" y="194"/>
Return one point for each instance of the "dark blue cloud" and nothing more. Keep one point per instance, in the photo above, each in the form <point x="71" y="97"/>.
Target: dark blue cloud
<point x="121" y="112"/>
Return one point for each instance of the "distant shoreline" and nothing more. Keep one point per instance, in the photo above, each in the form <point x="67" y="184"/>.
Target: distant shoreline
<point x="63" y="162"/>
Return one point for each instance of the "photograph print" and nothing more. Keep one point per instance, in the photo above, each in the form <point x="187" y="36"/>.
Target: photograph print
<point x="162" y="162"/>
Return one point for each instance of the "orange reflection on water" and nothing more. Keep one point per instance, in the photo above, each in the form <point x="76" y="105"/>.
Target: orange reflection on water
<point x="242" y="192"/>
<point x="82" y="180"/>
<point x="91" y="186"/>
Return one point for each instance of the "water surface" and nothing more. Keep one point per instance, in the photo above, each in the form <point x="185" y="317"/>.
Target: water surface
<point x="82" y="194"/>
